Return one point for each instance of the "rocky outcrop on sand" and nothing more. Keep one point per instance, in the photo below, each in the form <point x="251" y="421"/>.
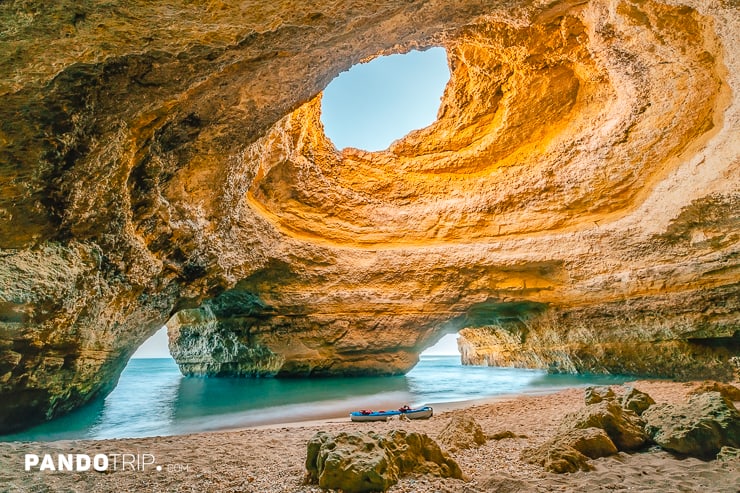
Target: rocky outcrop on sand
<point x="622" y="426"/>
<point x="707" y="426"/>
<point x="362" y="462"/>
<point x="462" y="432"/>
<point x="629" y="398"/>
<point x="166" y="163"/>
<point x="608" y="424"/>
<point x="699" y="428"/>
<point x="570" y="450"/>
<point x="504" y="434"/>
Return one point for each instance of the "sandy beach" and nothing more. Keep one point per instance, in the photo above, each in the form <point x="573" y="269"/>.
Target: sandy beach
<point x="271" y="458"/>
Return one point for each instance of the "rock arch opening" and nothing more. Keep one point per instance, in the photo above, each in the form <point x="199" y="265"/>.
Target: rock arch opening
<point x="375" y="103"/>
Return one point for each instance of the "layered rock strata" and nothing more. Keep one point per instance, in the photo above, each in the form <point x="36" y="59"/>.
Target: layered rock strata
<point x="167" y="163"/>
<point x="680" y="335"/>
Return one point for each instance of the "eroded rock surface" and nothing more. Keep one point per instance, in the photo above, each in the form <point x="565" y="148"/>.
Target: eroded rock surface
<point x="461" y="433"/>
<point x="607" y="425"/>
<point x="699" y="428"/>
<point x="636" y="401"/>
<point x="686" y="335"/>
<point x="362" y="462"/>
<point x="594" y="395"/>
<point x="629" y="398"/>
<point x="570" y="450"/>
<point x="621" y="425"/>
<point x="167" y="162"/>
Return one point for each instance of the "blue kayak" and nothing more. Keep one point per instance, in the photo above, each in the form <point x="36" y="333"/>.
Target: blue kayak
<point x="411" y="413"/>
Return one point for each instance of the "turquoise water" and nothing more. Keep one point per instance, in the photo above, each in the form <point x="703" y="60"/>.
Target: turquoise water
<point x="152" y="397"/>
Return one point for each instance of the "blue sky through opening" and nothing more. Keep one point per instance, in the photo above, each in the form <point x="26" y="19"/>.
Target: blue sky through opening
<point x="372" y="104"/>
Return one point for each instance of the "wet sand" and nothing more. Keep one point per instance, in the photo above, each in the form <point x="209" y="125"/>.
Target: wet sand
<point x="270" y="458"/>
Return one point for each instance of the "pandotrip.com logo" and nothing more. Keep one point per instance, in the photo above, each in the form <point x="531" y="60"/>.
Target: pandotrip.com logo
<point x="97" y="462"/>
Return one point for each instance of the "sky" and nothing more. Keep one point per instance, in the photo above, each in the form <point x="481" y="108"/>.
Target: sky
<point x="155" y="346"/>
<point x="372" y="104"/>
<point x="368" y="107"/>
<point x="446" y="346"/>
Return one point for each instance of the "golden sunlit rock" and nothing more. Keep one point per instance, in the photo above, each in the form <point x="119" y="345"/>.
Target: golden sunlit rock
<point x="579" y="190"/>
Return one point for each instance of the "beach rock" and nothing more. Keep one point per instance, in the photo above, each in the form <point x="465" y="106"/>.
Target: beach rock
<point x="419" y="454"/>
<point x="622" y="426"/>
<point x="462" y="432"/>
<point x="594" y="395"/>
<point x="354" y="462"/>
<point x="570" y="450"/>
<point x="698" y="428"/>
<point x="363" y="462"/>
<point x="500" y="435"/>
<point x="636" y="401"/>
<point x="576" y="199"/>
<point x="591" y="442"/>
<point x="558" y="459"/>
<point x="728" y="391"/>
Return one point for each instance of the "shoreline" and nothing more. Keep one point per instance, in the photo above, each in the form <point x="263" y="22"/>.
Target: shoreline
<point x="439" y="408"/>
<point x="271" y="458"/>
<point x="315" y="408"/>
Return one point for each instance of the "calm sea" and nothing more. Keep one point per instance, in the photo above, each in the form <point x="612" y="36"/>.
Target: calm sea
<point x="152" y="397"/>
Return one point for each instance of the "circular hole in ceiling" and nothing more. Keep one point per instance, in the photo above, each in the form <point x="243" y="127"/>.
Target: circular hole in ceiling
<point x="372" y="104"/>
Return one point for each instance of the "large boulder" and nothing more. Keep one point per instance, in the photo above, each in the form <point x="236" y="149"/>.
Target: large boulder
<point x="629" y="398"/>
<point x="351" y="462"/>
<point x="570" y="450"/>
<point x="624" y="427"/>
<point x="363" y="462"/>
<point x="418" y="453"/>
<point x="698" y="428"/>
<point x="462" y="432"/>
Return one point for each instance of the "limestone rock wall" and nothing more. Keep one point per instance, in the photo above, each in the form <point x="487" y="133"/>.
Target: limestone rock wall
<point x="166" y="162"/>
<point x="680" y="336"/>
